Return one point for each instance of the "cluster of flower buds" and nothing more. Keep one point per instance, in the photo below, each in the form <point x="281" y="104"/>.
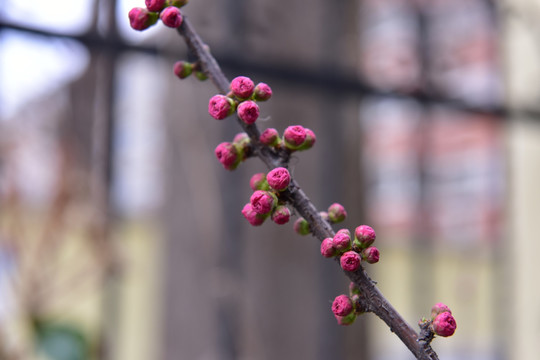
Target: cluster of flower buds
<point x="231" y="154"/>
<point x="347" y="307"/>
<point x="265" y="201"/>
<point x="335" y="213"/>
<point x="352" y="251"/>
<point x="166" y="10"/>
<point x="295" y="138"/>
<point x="242" y="99"/>
<point x="442" y="321"/>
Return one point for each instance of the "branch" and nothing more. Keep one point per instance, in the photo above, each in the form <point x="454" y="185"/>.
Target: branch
<point x="372" y="298"/>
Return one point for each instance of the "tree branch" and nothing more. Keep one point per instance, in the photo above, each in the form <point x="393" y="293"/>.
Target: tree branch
<point x="372" y="298"/>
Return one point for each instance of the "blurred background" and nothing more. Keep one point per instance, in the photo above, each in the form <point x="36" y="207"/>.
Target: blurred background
<point x="121" y="235"/>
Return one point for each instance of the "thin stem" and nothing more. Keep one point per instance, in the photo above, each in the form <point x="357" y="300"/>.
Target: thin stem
<point x="373" y="300"/>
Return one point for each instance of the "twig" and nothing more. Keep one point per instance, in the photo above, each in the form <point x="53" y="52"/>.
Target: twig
<point x="372" y="298"/>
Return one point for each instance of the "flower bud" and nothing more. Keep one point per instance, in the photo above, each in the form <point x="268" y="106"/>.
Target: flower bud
<point x="258" y="182"/>
<point x="227" y="155"/>
<point x="281" y="215"/>
<point x="155" y="5"/>
<point x="177" y="3"/>
<point x="309" y="141"/>
<point x="248" y="111"/>
<point x="263" y="202"/>
<point x="251" y="216"/>
<point x="371" y="255"/>
<point x="220" y="106"/>
<point x="444" y="324"/>
<point x="301" y="226"/>
<point x="183" y="69"/>
<point x="327" y="248"/>
<point x="270" y="137"/>
<point x="201" y="75"/>
<point x="342" y="242"/>
<point x="141" y="19"/>
<point x="279" y="178"/>
<point x="336" y="213"/>
<point x="353" y="289"/>
<point x="262" y="92"/>
<point x="171" y="17"/>
<point x="241" y="138"/>
<point x="242" y="87"/>
<point x="294" y="136"/>
<point x="346" y="320"/>
<point x="342" y="305"/>
<point x="364" y="236"/>
<point x="350" y="261"/>
<point x="439" y="308"/>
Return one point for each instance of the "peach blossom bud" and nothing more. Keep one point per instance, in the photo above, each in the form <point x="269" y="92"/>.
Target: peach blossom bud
<point x="263" y="202"/>
<point x="281" y="215"/>
<point x="248" y="111"/>
<point x="345" y="231"/>
<point x="371" y="254"/>
<point x="183" y="69"/>
<point x="171" y="17"/>
<point x="309" y="141"/>
<point x="141" y="19"/>
<point x="439" y="308"/>
<point x="220" y="106"/>
<point x="444" y="324"/>
<point x="242" y="87"/>
<point x="262" y="92"/>
<point x="155" y="5"/>
<point x="227" y="155"/>
<point x="350" y="261"/>
<point x="270" y="137"/>
<point x="342" y="305"/>
<point x="336" y="213"/>
<point x="279" y="178"/>
<point x="327" y="248"/>
<point x="364" y="236"/>
<point x="251" y="216"/>
<point x="258" y="182"/>
<point x="301" y="226"/>
<point x="342" y="242"/>
<point x="294" y="136"/>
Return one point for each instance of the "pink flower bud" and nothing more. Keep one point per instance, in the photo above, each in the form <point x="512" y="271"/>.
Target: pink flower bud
<point x="171" y="17"/>
<point x="263" y="202"/>
<point x="439" y="308"/>
<point x="350" y="261"/>
<point x="301" y="226"/>
<point x="281" y="215"/>
<point x="241" y="138"/>
<point x="248" y="111"/>
<point x="242" y="87"/>
<point x="183" y="69"/>
<point x="364" y="236"/>
<point x="371" y="254"/>
<point x="309" y="141"/>
<point x="279" y="178"/>
<point x="258" y="182"/>
<point x="346" y="320"/>
<point x="345" y="231"/>
<point x="155" y="5"/>
<point x="141" y="19"/>
<point x="294" y="136"/>
<point x="227" y="155"/>
<point x="342" y="305"/>
<point x="327" y="248"/>
<point x="342" y="242"/>
<point x="251" y="216"/>
<point x="336" y="213"/>
<point x="220" y="106"/>
<point x="353" y="289"/>
<point x="270" y="137"/>
<point x="444" y="324"/>
<point x="262" y="92"/>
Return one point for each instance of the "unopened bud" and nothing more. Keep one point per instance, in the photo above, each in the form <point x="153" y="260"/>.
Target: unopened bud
<point x="336" y="213"/>
<point x="342" y="242"/>
<point x="248" y="111"/>
<point x="220" y="106"/>
<point x="371" y="254"/>
<point x="171" y="17"/>
<point x="301" y="226"/>
<point x="242" y="87"/>
<point x="251" y="216"/>
<point x="262" y="92"/>
<point x="227" y="155"/>
<point x="281" y="215"/>
<point x="294" y="136"/>
<point x="155" y="5"/>
<point x="350" y="261"/>
<point x="279" y="178"/>
<point x="270" y="137"/>
<point x="141" y="19"/>
<point x="263" y="202"/>
<point x="327" y="248"/>
<point x="364" y="236"/>
<point x="183" y="69"/>
<point x="444" y="324"/>
<point x="439" y="308"/>
<point x="201" y="75"/>
<point x="258" y="182"/>
<point x="309" y="141"/>
<point x="342" y="305"/>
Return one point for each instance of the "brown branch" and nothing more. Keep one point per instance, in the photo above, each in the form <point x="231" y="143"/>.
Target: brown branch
<point x="372" y="298"/>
